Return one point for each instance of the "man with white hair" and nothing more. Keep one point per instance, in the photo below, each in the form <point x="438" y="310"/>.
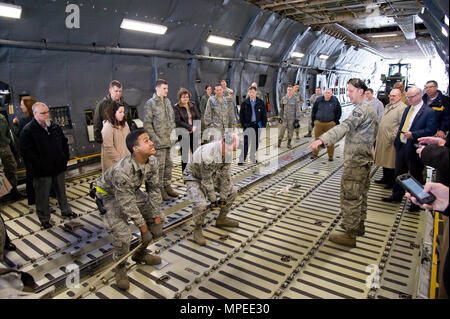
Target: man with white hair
<point x="418" y="120"/>
<point x="325" y="114"/>
<point x="387" y="131"/>
<point x="45" y="147"/>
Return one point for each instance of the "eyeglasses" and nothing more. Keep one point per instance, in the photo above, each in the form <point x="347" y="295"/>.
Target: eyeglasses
<point x="410" y="97"/>
<point x="430" y="86"/>
<point x="44" y="112"/>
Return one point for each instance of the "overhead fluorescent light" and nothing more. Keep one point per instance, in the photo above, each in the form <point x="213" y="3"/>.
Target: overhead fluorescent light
<point x="143" y="26"/>
<point x="323" y="56"/>
<point x="259" y="43"/>
<point x="10" y="10"/>
<point x="444" y="31"/>
<point x="446" y="20"/>
<point x="297" y="54"/>
<point x="347" y="65"/>
<point x="383" y="35"/>
<point x="220" y="40"/>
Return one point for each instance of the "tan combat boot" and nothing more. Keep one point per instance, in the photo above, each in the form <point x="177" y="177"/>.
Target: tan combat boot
<point x="171" y="192"/>
<point x="223" y="221"/>
<point x="343" y="239"/>
<point x="289" y="144"/>
<point x="142" y="257"/>
<point x="164" y="194"/>
<point x="198" y="235"/>
<point x="122" y="278"/>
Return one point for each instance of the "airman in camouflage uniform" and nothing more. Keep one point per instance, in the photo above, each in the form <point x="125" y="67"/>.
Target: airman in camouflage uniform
<point x="7" y="157"/>
<point x="159" y="121"/>
<point x="289" y="113"/>
<point x="208" y="171"/>
<point x="301" y="100"/>
<point x="119" y="188"/>
<point x="219" y="111"/>
<point x="360" y="129"/>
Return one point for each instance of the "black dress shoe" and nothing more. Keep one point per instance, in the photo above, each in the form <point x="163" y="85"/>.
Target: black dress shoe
<point x="47" y="225"/>
<point x="240" y="164"/>
<point x="390" y="199"/>
<point x="389" y="186"/>
<point x="70" y="215"/>
<point x="10" y="246"/>
<point x="380" y="181"/>
<point x="330" y="159"/>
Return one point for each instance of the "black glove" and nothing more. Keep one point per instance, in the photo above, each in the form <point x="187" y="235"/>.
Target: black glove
<point x="222" y="204"/>
<point x="296" y="124"/>
<point x="146" y="238"/>
<point x="214" y="205"/>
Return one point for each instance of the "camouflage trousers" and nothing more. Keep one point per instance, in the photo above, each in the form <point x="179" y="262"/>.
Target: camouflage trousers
<point x="10" y="165"/>
<point x="355" y="184"/>
<point x="2" y="238"/>
<point x="197" y="195"/>
<point x="289" y="125"/>
<point x="116" y="222"/>
<point x="165" y="166"/>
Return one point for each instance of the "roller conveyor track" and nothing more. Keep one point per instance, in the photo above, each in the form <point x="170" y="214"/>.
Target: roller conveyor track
<point x="46" y="253"/>
<point x="281" y="249"/>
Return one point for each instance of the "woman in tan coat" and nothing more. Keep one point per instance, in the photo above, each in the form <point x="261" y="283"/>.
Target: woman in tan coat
<point x="114" y="132"/>
<point x="387" y="131"/>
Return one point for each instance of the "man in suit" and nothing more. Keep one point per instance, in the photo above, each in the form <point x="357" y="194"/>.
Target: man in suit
<point x="418" y="120"/>
<point x="253" y="116"/>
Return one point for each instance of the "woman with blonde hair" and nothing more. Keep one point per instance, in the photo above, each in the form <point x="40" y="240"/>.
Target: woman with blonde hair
<point x="114" y="132"/>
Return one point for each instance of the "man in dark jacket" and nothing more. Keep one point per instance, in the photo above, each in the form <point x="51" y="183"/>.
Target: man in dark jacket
<point x="44" y="146"/>
<point x="325" y="114"/>
<point x="440" y="104"/>
<point x="115" y="94"/>
<point x="417" y="121"/>
<point x="253" y="116"/>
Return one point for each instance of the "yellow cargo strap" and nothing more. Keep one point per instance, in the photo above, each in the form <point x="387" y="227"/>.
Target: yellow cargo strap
<point x="99" y="190"/>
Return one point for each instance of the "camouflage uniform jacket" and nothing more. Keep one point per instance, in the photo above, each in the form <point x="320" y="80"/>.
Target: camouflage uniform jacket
<point x="218" y="114"/>
<point x="300" y="98"/>
<point x="159" y="121"/>
<point x="290" y="108"/>
<point x="206" y="166"/>
<point x="361" y="129"/>
<point x="228" y="93"/>
<point x="4" y="132"/>
<point x="122" y="180"/>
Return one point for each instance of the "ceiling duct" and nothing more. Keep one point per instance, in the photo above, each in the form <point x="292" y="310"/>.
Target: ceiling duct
<point x="344" y="32"/>
<point x="406" y="24"/>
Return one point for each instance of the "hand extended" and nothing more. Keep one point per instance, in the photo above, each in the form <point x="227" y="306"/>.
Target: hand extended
<point x="315" y="145"/>
<point x="440" y="191"/>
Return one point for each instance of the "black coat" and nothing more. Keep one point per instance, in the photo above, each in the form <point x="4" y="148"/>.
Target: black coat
<point x="47" y="153"/>
<point x="245" y="113"/>
<point x="424" y="124"/>
<point x="181" y="116"/>
<point x="437" y="157"/>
